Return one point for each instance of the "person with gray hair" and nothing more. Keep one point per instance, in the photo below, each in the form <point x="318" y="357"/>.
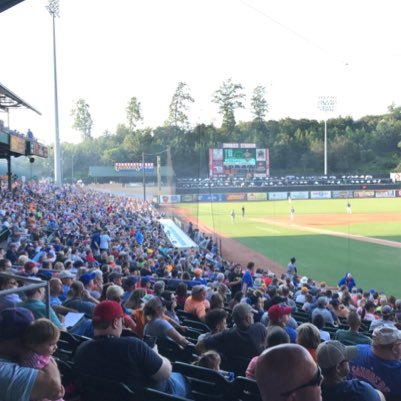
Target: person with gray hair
<point x="246" y="339"/>
<point x="287" y="372"/>
<point x="321" y="309"/>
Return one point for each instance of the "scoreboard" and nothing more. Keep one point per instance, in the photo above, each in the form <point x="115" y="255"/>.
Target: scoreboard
<point x="239" y="160"/>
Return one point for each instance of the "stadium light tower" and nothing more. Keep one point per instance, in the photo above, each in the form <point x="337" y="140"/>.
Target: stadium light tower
<point x="53" y="8"/>
<point x="326" y="104"/>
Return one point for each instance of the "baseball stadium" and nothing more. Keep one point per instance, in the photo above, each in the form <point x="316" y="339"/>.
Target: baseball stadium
<point x="206" y="205"/>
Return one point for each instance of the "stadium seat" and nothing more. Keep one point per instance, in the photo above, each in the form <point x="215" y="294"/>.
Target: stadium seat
<point x="67" y="345"/>
<point x="206" y="384"/>
<point x="245" y="390"/>
<point x="174" y="352"/>
<point x="185" y="315"/>
<point x="197" y="325"/>
<point x="149" y="394"/>
<point x="100" y="389"/>
<point x="236" y="364"/>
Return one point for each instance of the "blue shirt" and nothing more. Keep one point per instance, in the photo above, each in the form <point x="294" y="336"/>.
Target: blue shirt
<point x="384" y="375"/>
<point x="350" y="390"/>
<point x="16" y="382"/>
<point x="247" y="279"/>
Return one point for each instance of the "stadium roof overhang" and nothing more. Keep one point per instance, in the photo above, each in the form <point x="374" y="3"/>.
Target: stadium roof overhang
<point x="6" y="4"/>
<point x="9" y="100"/>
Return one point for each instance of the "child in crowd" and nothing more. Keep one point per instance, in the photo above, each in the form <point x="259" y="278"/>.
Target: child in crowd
<point x="40" y="342"/>
<point x="212" y="360"/>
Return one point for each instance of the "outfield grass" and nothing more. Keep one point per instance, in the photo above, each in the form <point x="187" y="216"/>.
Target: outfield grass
<point x="323" y="257"/>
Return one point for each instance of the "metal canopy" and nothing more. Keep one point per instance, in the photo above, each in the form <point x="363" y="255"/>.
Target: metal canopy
<point x="10" y="100"/>
<point x="6" y="4"/>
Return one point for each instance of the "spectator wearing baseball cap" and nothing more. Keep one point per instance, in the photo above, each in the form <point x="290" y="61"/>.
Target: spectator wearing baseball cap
<point x="380" y="363"/>
<point x="333" y="358"/>
<point x="279" y="315"/>
<point x="387" y="318"/>
<point x="67" y="278"/>
<point x="87" y="280"/>
<point x="19" y="383"/>
<point x="124" y="359"/>
<point x="116" y="278"/>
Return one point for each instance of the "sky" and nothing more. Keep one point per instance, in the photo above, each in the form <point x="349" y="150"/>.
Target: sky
<point x="109" y="51"/>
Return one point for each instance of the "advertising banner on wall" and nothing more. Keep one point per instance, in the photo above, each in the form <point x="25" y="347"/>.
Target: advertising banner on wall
<point x="256" y="196"/>
<point x="188" y="198"/>
<point x="299" y="195"/>
<point x="320" y="194"/>
<point x="210" y="197"/>
<point x="235" y="197"/>
<point x="364" y="194"/>
<point x="342" y="194"/>
<point x="383" y="193"/>
<point x="398" y="192"/>
<point x="277" y="195"/>
<point x="170" y="199"/>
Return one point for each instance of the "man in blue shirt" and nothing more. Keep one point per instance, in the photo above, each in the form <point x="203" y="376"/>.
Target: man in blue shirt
<point x="333" y="357"/>
<point x="247" y="278"/>
<point x="380" y="363"/>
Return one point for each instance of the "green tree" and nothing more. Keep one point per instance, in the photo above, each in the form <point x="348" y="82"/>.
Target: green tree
<point x="134" y="113"/>
<point x="82" y="119"/>
<point x="179" y="106"/>
<point x="259" y="104"/>
<point x="229" y="98"/>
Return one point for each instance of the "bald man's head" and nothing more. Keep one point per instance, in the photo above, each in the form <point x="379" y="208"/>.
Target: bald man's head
<point x="288" y="372"/>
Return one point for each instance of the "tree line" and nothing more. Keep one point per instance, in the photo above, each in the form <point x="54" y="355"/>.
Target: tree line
<point x="369" y="145"/>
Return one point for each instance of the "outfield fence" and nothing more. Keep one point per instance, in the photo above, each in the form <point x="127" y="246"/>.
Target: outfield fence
<point x="280" y="195"/>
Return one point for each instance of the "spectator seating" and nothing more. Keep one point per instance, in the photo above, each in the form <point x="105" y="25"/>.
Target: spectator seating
<point x="67" y="345"/>
<point x="100" y="389"/>
<point x="236" y="364"/>
<point x="206" y="384"/>
<point x="171" y="350"/>
<point x="246" y="389"/>
<point x="149" y="394"/>
<point x="185" y="315"/>
<point x="197" y="325"/>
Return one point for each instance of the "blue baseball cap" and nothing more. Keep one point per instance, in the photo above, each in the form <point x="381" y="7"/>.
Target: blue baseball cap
<point x="14" y="322"/>
<point x="87" y="277"/>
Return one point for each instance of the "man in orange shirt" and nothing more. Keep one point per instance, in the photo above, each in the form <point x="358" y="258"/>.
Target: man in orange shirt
<point x="197" y="303"/>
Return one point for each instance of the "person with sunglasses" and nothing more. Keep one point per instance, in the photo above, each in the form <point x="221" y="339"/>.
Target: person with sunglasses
<point x="287" y="372"/>
<point x="332" y="357"/>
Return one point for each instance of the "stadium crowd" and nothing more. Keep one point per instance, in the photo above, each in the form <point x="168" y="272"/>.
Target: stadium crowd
<point x="143" y="304"/>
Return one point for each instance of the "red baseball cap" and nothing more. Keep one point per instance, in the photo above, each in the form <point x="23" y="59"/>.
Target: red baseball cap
<point x="107" y="311"/>
<point x="276" y="311"/>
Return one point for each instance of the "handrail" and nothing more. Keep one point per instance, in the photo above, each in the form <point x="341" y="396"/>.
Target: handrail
<point x="34" y="284"/>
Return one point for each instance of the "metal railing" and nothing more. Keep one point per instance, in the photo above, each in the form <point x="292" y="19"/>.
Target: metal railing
<point x="29" y="284"/>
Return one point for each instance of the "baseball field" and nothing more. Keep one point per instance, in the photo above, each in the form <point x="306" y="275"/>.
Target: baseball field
<point x="326" y="240"/>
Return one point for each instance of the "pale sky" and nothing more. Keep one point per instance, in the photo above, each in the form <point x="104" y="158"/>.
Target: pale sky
<point x="109" y="51"/>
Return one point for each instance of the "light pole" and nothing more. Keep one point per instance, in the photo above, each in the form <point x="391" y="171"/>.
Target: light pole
<point x="72" y="168"/>
<point x="143" y="176"/>
<point x="326" y="104"/>
<point x="53" y="9"/>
